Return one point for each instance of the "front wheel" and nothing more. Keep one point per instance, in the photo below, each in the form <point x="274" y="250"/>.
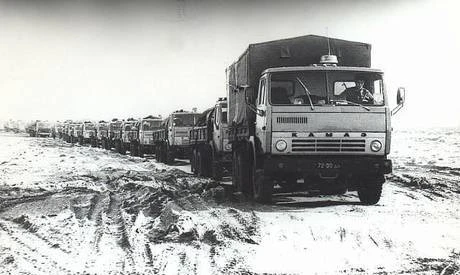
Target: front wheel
<point x="370" y="190"/>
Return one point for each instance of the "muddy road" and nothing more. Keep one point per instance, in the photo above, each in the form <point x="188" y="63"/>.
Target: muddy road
<point x="68" y="209"/>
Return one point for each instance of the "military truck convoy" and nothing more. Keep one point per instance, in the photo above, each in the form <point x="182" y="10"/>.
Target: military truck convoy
<point x="305" y="113"/>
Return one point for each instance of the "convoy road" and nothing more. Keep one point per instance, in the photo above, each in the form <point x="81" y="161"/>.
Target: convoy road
<point x="68" y="209"/>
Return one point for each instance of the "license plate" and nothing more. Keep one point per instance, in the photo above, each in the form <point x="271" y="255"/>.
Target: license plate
<point x="328" y="165"/>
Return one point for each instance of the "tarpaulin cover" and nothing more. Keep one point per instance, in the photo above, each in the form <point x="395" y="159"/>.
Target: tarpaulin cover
<point x="298" y="51"/>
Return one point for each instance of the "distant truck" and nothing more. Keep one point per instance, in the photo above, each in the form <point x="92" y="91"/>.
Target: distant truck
<point x="43" y="129"/>
<point x="143" y="143"/>
<point x="88" y="135"/>
<point x="76" y="132"/>
<point x="211" y="151"/>
<point x="102" y="134"/>
<point x="58" y="128"/>
<point x="114" y="131"/>
<point x="128" y="134"/>
<point x="172" y="140"/>
<point x="31" y="128"/>
<point x="298" y="112"/>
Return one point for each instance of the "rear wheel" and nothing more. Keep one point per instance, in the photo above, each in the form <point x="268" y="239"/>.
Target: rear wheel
<point x="169" y="155"/>
<point x="242" y="173"/>
<point x="157" y="153"/>
<point x="193" y="161"/>
<point x="140" y="150"/>
<point x="204" y="162"/>
<point x="132" y="150"/>
<point x="216" y="170"/>
<point x="370" y="189"/>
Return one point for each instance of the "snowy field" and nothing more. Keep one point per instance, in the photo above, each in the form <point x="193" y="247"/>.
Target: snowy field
<point x="68" y="209"/>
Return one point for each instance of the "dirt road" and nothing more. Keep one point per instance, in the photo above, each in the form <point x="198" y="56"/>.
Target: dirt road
<point x="67" y="209"/>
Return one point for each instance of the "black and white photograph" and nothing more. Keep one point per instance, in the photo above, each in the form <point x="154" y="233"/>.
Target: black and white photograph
<point x="229" y="137"/>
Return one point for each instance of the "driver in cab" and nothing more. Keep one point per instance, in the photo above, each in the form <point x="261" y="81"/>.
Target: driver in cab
<point x="359" y="94"/>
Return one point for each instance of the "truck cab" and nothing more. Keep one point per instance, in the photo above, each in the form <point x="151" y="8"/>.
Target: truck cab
<point x="211" y="150"/>
<point x="114" y="132"/>
<point x="102" y="134"/>
<point x="316" y="125"/>
<point x="76" y="132"/>
<point x="43" y="129"/>
<point x="144" y="143"/>
<point x="128" y="134"/>
<point x="89" y="133"/>
<point x="174" y="141"/>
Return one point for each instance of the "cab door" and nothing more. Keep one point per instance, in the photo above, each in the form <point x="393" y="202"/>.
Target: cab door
<point x="217" y="131"/>
<point x="261" y="115"/>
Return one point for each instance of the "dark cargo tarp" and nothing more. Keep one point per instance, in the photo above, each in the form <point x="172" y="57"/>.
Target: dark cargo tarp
<point x="298" y="51"/>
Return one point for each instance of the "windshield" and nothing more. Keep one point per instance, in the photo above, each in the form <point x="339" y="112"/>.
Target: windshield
<point x="89" y="126"/>
<point x="148" y="125"/>
<point x="327" y="88"/>
<point x="184" y="120"/>
<point x="129" y="126"/>
<point x="115" y="125"/>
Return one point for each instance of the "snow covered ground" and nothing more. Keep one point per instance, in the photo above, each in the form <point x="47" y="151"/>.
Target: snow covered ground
<point x="68" y="209"/>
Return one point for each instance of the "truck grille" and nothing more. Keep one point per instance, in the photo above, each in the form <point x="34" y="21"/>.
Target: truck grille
<point x="328" y="145"/>
<point x="292" y="120"/>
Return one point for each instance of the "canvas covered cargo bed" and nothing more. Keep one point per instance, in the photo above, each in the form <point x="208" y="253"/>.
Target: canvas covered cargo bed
<point x="298" y="51"/>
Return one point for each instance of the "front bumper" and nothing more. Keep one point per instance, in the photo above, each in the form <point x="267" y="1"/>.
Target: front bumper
<point x="327" y="167"/>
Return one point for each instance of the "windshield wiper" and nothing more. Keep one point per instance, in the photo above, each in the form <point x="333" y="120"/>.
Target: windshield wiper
<point x="307" y="92"/>
<point x="349" y="102"/>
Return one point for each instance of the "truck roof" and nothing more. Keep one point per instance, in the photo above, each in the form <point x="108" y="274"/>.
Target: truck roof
<point x="322" y="68"/>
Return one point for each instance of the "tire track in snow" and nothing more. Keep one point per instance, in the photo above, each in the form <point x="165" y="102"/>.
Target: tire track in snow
<point x="33" y="250"/>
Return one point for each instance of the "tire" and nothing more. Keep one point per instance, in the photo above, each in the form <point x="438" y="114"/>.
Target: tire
<point x="263" y="187"/>
<point x="370" y="190"/>
<point x="198" y="166"/>
<point x="157" y="153"/>
<point x="122" y="149"/>
<point x="205" y="161"/>
<point x="193" y="161"/>
<point x="242" y="165"/>
<point x="169" y="155"/>
<point x="140" y="150"/>
<point x="133" y="149"/>
<point x="216" y="170"/>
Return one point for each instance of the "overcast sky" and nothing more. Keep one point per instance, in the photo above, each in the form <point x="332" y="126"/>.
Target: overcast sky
<point x="104" y="59"/>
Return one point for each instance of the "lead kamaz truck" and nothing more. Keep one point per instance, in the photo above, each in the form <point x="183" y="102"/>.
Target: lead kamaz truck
<point x="309" y="113"/>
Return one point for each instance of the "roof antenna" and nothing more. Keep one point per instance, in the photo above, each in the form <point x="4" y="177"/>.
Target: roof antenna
<point x="328" y="59"/>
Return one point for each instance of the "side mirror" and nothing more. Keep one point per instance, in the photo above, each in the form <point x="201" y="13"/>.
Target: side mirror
<point x="401" y="96"/>
<point x="400" y="99"/>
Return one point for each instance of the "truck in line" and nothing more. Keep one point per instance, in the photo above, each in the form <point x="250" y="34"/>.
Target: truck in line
<point x="293" y="124"/>
<point x="102" y="134"/>
<point x="142" y="141"/>
<point x="114" y="131"/>
<point x="211" y="152"/>
<point x="172" y="140"/>
<point x="128" y="134"/>
<point x="43" y="129"/>
<point x="88" y="134"/>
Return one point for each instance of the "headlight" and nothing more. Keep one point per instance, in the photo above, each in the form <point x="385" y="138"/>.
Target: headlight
<point x="376" y="146"/>
<point x="281" y="145"/>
